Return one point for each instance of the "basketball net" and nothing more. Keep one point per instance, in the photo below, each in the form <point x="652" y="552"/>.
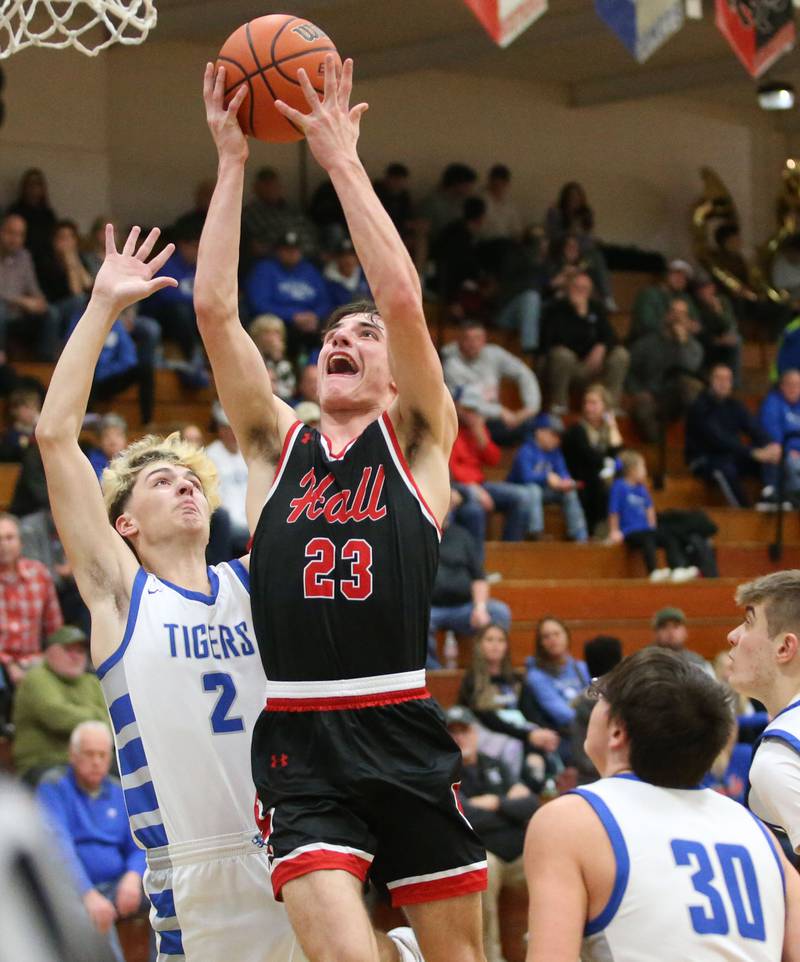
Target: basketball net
<point x="87" y="25"/>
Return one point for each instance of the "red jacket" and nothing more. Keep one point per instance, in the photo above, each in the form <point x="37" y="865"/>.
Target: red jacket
<point x="467" y="458"/>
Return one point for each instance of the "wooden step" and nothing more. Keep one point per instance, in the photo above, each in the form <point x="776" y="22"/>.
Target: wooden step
<point x="737" y="525"/>
<point x="8" y="480"/>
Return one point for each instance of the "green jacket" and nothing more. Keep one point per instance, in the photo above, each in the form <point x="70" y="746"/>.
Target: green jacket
<point x="46" y="709"/>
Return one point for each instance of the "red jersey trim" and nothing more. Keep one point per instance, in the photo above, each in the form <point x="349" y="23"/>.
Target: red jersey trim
<point x="327" y="447"/>
<point x="334" y="703"/>
<point x="319" y="861"/>
<point x="406" y="470"/>
<point x="464" y="883"/>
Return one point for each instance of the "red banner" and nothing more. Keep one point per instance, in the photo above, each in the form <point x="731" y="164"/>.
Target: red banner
<point x="505" y="20"/>
<point x="759" y="32"/>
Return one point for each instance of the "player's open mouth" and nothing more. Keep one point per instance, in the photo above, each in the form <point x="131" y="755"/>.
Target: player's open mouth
<point x="341" y="364"/>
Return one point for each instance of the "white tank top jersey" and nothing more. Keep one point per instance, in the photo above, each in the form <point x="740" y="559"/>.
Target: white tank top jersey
<point x="697" y="878"/>
<point x="774" y="790"/>
<point x="184" y="689"/>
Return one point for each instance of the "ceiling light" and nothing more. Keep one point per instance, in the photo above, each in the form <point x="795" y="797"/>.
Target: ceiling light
<point x="773" y="95"/>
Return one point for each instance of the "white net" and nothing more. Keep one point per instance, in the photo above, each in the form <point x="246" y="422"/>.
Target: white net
<point x="86" y="25"/>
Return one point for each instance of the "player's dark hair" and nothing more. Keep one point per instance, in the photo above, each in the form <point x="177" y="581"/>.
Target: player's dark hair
<point x="364" y="306"/>
<point x="677" y="717"/>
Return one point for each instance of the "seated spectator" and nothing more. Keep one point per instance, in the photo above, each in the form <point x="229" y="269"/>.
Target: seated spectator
<point x="724" y="441"/>
<point x="94" y="244"/>
<point x="504" y="705"/>
<point x="503" y="218"/>
<point x="194" y="220"/>
<point x="670" y="631"/>
<point x="539" y="465"/>
<point x="499" y="809"/>
<point x="590" y="448"/>
<point x="30" y="491"/>
<point x="307" y="386"/>
<point x="28" y="605"/>
<point x="173" y="307"/>
<point x="40" y="541"/>
<point x="632" y="519"/>
<point x="292" y="288"/>
<point x="471" y="362"/>
<point x="580" y="345"/>
<point x="112" y="436"/>
<point x="573" y="215"/>
<point x="63" y="274"/>
<point x="472" y="451"/>
<point x="269" y="216"/>
<point x="86" y="809"/>
<point x="652" y="303"/>
<point x="33" y="206"/>
<point x="601" y="654"/>
<point x="23" y="308"/>
<point x="511" y="281"/>
<point x="665" y="373"/>
<point x="325" y="211"/>
<point x="24" y="406"/>
<point x="565" y="261"/>
<point x="553" y="675"/>
<point x="446" y="203"/>
<point x="460" y="600"/>
<point x="719" y="329"/>
<point x="779" y="419"/>
<point x="456" y="253"/>
<point x="51" y="700"/>
<point x="119" y="366"/>
<point x="345" y="276"/>
<point x="232" y="475"/>
<point x="393" y="193"/>
<point x="269" y="333"/>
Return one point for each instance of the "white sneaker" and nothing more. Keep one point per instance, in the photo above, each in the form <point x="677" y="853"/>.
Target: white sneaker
<point x="680" y="575"/>
<point x="661" y="574"/>
<point x="406" y="942"/>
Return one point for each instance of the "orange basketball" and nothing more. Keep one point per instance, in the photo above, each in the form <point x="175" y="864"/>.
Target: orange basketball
<point x="266" y="54"/>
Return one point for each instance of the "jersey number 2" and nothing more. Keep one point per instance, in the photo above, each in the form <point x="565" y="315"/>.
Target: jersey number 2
<point x="321" y="554"/>
<point x="221" y="724"/>
<point x="739" y="877"/>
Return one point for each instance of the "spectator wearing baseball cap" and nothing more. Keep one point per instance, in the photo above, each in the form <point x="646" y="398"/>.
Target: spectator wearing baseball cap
<point x="51" y="700"/>
<point x="499" y="810"/>
<point x="539" y="465"/>
<point x="670" y="631"/>
<point x="345" y="276"/>
<point x="652" y="303"/>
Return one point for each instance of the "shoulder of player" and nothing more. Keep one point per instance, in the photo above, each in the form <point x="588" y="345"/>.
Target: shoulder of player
<point x="567" y="823"/>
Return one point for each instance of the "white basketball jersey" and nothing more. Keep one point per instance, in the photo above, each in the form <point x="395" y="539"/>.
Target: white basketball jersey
<point x="772" y="793"/>
<point x="184" y="689"/>
<point x="697" y="878"/>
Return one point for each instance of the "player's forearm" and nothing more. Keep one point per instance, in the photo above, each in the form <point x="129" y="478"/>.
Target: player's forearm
<point x="216" y="290"/>
<point x="68" y="395"/>
<point x="389" y="269"/>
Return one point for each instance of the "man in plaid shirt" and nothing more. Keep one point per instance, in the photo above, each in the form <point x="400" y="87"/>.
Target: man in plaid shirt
<point x="29" y="606"/>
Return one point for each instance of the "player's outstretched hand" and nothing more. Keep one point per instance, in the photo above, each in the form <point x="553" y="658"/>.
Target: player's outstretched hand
<point x="332" y="127"/>
<point x="223" y="122"/>
<point x="128" y="277"/>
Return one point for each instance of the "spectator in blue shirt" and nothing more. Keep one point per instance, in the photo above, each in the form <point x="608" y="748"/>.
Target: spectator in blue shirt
<point x="291" y="287"/>
<point x="539" y="465"/>
<point x="173" y="307"/>
<point x="780" y="419"/>
<point x="112" y="433"/>
<point x="632" y="519"/>
<point x="86" y="810"/>
<point x="345" y="277"/>
<point x="553" y="675"/>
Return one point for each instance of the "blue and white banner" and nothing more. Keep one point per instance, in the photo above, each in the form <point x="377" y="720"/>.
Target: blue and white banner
<point x="642" y="25"/>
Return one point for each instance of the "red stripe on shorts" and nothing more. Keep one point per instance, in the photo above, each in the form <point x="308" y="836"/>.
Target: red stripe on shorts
<point x="320" y="860"/>
<point x="441" y="888"/>
<point x="341" y="702"/>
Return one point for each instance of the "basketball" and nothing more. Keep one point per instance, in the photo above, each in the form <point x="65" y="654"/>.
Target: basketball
<point x="266" y="54"/>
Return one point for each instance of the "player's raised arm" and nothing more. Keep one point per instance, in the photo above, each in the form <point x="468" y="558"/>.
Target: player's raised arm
<point x="259" y="419"/>
<point x="332" y="130"/>
<point x="103" y="564"/>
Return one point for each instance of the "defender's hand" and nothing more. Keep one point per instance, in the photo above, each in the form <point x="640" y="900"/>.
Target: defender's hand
<point x="128" y="277"/>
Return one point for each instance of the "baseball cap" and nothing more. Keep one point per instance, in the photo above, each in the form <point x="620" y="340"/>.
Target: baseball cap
<point x="469" y="396"/>
<point x="289" y="238"/>
<point x="345" y="246"/>
<point x="663" y="615"/>
<point x="459" y="715"/>
<point x="548" y="421"/>
<point x="684" y="266"/>
<point x="66" y="635"/>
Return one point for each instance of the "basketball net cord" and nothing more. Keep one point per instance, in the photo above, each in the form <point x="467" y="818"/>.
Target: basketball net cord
<point x="73" y="23"/>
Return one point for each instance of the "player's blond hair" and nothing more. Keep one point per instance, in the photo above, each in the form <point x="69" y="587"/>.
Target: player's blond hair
<point x="121" y="474"/>
<point x="779" y="592"/>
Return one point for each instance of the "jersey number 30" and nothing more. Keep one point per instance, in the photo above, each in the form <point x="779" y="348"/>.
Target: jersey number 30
<point x="739" y="878"/>
<point x="321" y="554"/>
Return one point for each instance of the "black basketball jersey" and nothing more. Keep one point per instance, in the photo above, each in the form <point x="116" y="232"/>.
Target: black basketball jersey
<point x="343" y="561"/>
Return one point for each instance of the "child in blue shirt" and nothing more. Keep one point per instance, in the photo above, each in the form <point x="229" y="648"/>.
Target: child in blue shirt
<point x="632" y="519"/>
<point x="540" y="466"/>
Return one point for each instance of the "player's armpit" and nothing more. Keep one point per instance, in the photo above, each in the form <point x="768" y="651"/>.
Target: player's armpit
<point x="558" y="899"/>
